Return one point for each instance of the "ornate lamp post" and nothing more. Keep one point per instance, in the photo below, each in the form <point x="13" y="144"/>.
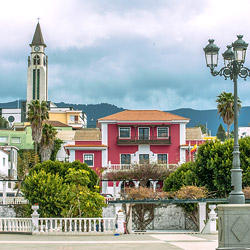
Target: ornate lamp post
<point x="234" y="58"/>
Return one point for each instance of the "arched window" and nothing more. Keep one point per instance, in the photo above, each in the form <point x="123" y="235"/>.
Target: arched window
<point x="36" y="60"/>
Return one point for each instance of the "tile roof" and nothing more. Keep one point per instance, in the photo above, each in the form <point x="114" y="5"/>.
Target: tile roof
<point x="143" y="115"/>
<point x="194" y="134"/>
<point x="56" y="123"/>
<point x="86" y="134"/>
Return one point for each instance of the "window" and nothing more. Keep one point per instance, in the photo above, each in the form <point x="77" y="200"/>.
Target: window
<point x="162" y="158"/>
<point x="89" y="159"/>
<point x="3" y="139"/>
<point x="143" y="158"/>
<point x="15" y="140"/>
<point x="143" y="133"/>
<point x="124" y="132"/>
<point x="162" y="132"/>
<point x="125" y="159"/>
<point x="72" y="118"/>
<point x="36" y="60"/>
<point x="4" y="162"/>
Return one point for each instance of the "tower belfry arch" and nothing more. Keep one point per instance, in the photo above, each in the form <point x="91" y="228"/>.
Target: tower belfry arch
<point x="37" y="77"/>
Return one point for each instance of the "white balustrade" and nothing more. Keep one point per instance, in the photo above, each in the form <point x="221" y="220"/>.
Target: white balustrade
<point x="14" y="200"/>
<point x="76" y="225"/>
<point x="16" y="225"/>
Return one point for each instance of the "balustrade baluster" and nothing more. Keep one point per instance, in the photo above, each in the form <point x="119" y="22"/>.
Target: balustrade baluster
<point x="89" y="221"/>
<point x="70" y="225"/>
<point x="84" y="225"/>
<point x="80" y="225"/>
<point x="46" y="225"/>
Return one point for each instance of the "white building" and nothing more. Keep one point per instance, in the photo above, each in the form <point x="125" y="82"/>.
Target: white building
<point x="8" y="168"/>
<point x="244" y="132"/>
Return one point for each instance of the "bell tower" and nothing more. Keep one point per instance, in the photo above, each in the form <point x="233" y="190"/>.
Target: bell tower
<point x="37" y="79"/>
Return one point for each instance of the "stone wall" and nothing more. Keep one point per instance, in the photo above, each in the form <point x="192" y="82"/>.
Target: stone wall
<point x="167" y="217"/>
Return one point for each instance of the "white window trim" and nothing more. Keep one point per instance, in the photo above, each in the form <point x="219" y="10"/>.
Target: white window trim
<point x="93" y="159"/>
<point x="15" y="138"/>
<point x="4" y="137"/>
<point x="161" y="137"/>
<point x="162" y="163"/>
<point x="125" y="137"/>
<point x="138" y="135"/>
<point x="121" y="158"/>
<point x="144" y="154"/>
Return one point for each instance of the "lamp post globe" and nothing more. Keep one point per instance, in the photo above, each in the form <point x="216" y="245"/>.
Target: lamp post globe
<point x="211" y="54"/>
<point x="240" y="48"/>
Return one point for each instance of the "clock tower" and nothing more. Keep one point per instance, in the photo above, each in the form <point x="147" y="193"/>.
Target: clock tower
<point x="37" y="79"/>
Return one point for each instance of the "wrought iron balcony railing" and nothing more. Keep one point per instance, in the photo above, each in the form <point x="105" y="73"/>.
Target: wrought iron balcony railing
<point x="135" y="140"/>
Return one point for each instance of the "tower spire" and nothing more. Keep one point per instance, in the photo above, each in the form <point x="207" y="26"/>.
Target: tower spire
<point x="38" y="37"/>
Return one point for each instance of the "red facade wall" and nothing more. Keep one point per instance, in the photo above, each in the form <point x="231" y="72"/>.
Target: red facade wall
<point x="88" y="143"/>
<point x="97" y="158"/>
<point x="115" y="150"/>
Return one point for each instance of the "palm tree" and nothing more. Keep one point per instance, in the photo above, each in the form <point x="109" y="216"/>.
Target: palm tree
<point x="225" y="106"/>
<point x="47" y="142"/>
<point x="37" y="114"/>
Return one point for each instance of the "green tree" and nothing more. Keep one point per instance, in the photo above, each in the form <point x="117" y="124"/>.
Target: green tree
<point x="57" y="145"/>
<point x="183" y="176"/>
<point x="62" y="168"/>
<point x="4" y="124"/>
<point x="47" y="142"/>
<point x="26" y="160"/>
<point x="225" y="106"/>
<point x="37" y="114"/>
<point x="221" y="134"/>
<point x="212" y="168"/>
<point x="64" y="193"/>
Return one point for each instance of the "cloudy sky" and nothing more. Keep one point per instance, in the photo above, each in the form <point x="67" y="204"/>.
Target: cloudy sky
<point x="136" y="54"/>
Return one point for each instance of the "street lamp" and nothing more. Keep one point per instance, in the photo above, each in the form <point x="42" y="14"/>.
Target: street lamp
<point x="234" y="58"/>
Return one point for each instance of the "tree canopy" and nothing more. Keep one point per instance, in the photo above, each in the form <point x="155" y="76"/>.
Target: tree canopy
<point x="67" y="190"/>
<point x="212" y="168"/>
<point x="221" y="134"/>
<point x="225" y="106"/>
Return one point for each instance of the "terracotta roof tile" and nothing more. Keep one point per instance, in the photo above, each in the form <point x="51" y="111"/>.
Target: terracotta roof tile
<point x="88" y="134"/>
<point x="194" y="134"/>
<point x="56" y="123"/>
<point x="143" y="115"/>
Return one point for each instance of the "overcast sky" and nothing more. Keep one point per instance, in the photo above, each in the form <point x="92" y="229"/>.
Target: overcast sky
<point x="136" y="54"/>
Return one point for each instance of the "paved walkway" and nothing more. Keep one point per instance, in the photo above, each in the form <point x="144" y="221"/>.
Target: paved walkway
<point x="108" y="242"/>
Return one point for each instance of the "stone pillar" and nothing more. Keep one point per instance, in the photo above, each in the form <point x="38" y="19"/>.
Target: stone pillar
<point x="137" y="183"/>
<point x="153" y="183"/>
<point x="210" y="227"/>
<point x="120" y="222"/>
<point x="114" y="189"/>
<point x="104" y="186"/>
<point x="4" y="192"/>
<point x="234" y="226"/>
<point x="212" y="218"/>
<point x="202" y="215"/>
<point x="129" y="220"/>
<point x="35" y="217"/>
<point x="119" y="189"/>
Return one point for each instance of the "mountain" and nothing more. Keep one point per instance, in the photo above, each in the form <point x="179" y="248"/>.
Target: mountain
<point x="211" y="118"/>
<point x="96" y="111"/>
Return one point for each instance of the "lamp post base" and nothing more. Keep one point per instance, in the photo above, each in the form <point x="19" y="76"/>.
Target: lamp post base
<point x="236" y="198"/>
<point x="234" y="227"/>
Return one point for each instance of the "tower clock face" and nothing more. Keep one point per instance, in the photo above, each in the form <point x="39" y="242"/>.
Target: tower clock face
<point x="37" y="48"/>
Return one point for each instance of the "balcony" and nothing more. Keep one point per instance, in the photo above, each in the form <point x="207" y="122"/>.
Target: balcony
<point x="151" y="140"/>
<point x="126" y="167"/>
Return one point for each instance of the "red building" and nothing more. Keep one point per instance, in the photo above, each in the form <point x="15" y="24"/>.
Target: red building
<point x="134" y="136"/>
